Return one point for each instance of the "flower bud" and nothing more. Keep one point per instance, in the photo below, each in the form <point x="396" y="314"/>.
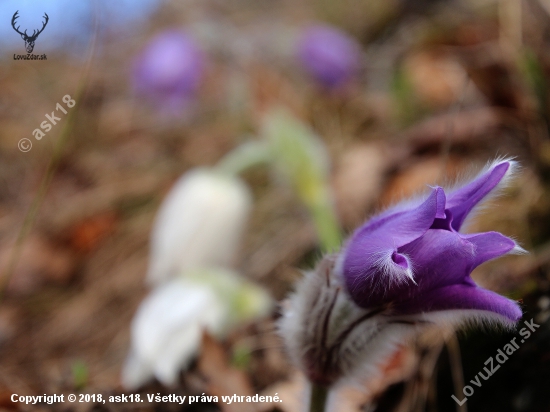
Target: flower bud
<point x="199" y="224"/>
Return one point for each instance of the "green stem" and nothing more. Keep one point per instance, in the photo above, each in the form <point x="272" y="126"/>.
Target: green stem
<point x="326" y="223"/>
<point x="243" y="157"/>
<point x="318" y="399"/>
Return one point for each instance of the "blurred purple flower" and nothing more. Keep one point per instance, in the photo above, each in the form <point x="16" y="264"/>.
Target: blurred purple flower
<point x="329" y="55"/>
<point x="169" y="70"/>
<point x="413" y="258"/>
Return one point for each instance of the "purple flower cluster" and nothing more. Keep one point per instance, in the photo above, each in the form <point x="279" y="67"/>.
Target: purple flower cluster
<point x="169" y="70"/>
<point x="329" y="55"/>
<point x="171" y="67"/>
<point x="414" y="259"/>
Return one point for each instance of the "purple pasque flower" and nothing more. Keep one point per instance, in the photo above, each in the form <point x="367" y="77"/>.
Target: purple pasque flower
<point x="414" y="259"/>
<point x="170" y="69"/>
<point x="329" y="55"/>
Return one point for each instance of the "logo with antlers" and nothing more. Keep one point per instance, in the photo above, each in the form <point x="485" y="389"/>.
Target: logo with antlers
<point x="29" y="40"/>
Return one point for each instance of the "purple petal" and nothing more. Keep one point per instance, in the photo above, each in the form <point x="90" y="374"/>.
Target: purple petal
<point x="370" y="262"/>
<point x="461" y="297"/>
<point x="463" y="200"/>
<point x="329" y="55"/>
<point x="170" y="68"/>
<point x="407" y="224"/>
<point x="439" y="258"/>
<point x="442" y="258"/>
<point x="489" y="245"/>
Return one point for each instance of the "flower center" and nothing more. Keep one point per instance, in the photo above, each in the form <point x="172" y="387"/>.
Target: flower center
<point x="400" y="260"/>
<point x="445" y="223"/>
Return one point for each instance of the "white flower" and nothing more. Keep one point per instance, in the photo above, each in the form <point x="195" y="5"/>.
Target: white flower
<point x="199" y="224"/>
<point x="195" y="235"/>
<point x="167" y="329"/>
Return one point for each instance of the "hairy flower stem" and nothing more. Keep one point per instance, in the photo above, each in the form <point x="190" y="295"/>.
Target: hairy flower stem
<point x="318" y="399"/>
<point x="244" y="157"/>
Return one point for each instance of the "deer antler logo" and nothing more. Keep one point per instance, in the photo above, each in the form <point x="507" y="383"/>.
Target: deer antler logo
<point x="29" y="40"/>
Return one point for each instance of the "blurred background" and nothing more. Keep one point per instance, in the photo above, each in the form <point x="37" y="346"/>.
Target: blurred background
<point x="403" y="93"/>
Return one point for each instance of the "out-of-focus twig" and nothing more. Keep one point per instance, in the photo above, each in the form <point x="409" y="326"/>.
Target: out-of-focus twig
<point x="454" y="111"/>
<point x="510" y="19"/>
